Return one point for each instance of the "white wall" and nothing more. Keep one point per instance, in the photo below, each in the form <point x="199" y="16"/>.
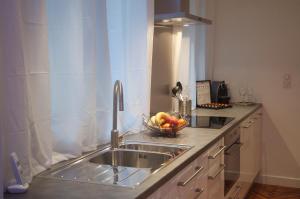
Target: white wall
<point x="256" y="43"/>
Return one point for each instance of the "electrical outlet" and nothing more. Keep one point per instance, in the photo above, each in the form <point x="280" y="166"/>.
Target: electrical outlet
<point x="287" y="81"/>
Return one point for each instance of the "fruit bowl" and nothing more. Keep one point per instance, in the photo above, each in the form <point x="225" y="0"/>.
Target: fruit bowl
<point x="165" y="124"/>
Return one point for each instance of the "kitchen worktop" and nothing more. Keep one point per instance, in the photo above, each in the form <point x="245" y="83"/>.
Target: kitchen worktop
<point x="200" y="138"/>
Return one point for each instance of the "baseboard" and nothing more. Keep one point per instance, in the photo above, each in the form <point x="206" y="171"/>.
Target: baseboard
<point x="278" y="180"/>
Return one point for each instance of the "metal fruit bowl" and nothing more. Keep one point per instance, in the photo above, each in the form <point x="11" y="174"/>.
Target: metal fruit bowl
<point x="169" y="132"/>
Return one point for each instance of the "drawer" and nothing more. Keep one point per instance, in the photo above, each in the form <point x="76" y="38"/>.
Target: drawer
<point x="197" y="187"/>
<point x="215" y="186"/>
<point x="167" y="191"/>
<point x="239" y="190"/>
<point x="202" y="161"/>
<point x="216" y="156"/>
<point x="201" y="187"/>
<point x="187" y="180"/>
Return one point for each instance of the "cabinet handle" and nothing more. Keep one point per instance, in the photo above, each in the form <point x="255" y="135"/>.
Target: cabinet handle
<point x="218" y="153"/>
<point x="249" y="125"/>
<point x="199" y="192"/>
<point x="240" y="144"/>
<point x="198" y="170"/>
<point x="214" y="176"/>
<point x="245" y="127"/>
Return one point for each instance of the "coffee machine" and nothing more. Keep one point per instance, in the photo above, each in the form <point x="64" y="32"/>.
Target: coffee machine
<point x="219" y="92"/>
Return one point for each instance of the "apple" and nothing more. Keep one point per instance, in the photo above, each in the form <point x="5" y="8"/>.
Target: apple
<point x="181" y="122"/>
<point x="166" y="125"/>
<point x="172" y="120"/>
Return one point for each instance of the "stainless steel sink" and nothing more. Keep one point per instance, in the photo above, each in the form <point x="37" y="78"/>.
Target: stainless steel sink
<point x="171" y="149"/>
<point x="127" y="166"/>
<point x="132" y="158"/>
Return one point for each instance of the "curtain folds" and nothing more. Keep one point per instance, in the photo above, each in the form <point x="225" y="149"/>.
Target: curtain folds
<point x="130" y="35"/>
<point x="188" y="59"/>
<point x="60" y="61"/>
<point x="25" y="79"/>
<point x="80" y="74"/>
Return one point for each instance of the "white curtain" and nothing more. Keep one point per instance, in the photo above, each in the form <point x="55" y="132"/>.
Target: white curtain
<point x="188" y="58"/>
<point x="58" y="64"/>
<point x="26" y="115"/>
<point x="80" y="74"/>
<point x="130" y="39"/>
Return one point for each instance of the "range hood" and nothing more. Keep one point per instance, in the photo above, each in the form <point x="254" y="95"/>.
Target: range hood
<point x="179" y="12"/>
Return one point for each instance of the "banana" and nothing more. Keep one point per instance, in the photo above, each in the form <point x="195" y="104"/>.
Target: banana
<point x="153" y="120"/>
<point x="160" y="118"/>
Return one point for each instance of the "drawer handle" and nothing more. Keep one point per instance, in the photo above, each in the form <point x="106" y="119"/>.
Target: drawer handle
<point x="245" y="127"/>
<point x="249" y="124"/>
<point x="240" y="144"/>
<point x="198" y="170"/>
<point x="214" y="176"/>
<point x="199" y="192"/>
<point x="218" y="153"/>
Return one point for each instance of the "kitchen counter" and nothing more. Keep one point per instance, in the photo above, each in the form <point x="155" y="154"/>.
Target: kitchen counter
<point x="200" y="138"/>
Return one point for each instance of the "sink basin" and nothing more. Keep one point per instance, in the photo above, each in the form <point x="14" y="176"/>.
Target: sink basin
<point x="133" y="163"/>
<point x="171" y="149"/>
<point x="132" y="158"/>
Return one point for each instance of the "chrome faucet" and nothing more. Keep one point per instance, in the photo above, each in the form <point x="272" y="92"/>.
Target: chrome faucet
<point x="118" y="94"/>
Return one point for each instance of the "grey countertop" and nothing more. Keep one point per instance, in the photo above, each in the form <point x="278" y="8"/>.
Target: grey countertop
<point x="199" y="138"/>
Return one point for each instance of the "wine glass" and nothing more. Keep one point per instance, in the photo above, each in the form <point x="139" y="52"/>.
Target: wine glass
<point x="250" y="95"/>
<point x="243" y="94"/>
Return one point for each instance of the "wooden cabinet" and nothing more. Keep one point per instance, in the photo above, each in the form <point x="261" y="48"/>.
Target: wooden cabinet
<point x="201" y="179"/>
<point x="204" y="177"/>
<point x="250" y="160"/>
<point x="251" y="150"/>
<point x="257" y="128"/>
<point x="216" y="171"/>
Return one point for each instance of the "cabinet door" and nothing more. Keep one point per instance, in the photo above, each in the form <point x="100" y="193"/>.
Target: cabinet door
<point x="201" y="187"/>
<point x="167" y="191"/>
<point x="170" y="190"/>
<point x="256" y="128"/>
<point x="253" y="150"/>
<point x="187" y="180"/>
<point x="250" y="152"/>
<point x="216" y="186"/>
<point x="189" y="183"/>
<point x="258" y="137"/>
<point x="216" y="171"/>
<point x="201" y="181"/>
<point x="247" y="154"/>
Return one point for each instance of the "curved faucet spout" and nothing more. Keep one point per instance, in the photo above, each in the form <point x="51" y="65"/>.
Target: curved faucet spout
<point x="117" y="95"/>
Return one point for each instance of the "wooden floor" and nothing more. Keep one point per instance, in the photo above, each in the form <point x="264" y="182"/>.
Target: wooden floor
<point x="259" y="191"/>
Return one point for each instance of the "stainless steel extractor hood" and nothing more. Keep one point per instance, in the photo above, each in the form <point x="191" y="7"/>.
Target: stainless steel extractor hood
<point x="179" y="12"/>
